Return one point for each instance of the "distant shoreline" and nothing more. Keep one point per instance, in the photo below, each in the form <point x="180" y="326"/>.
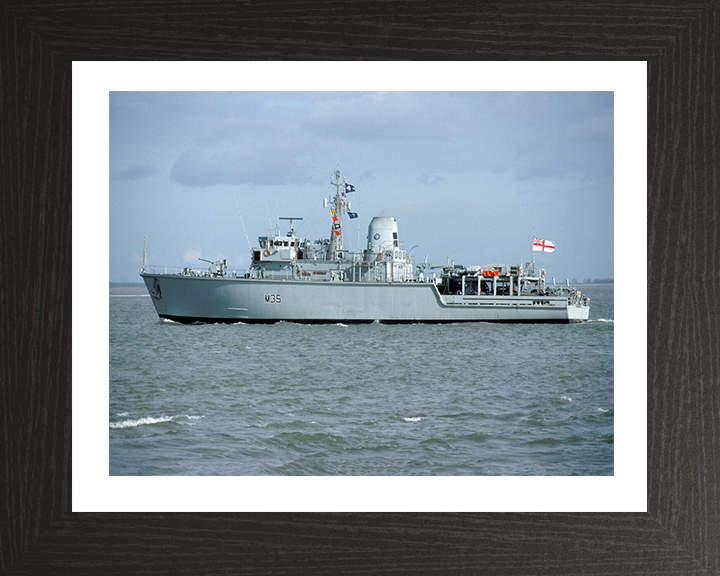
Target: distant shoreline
<point x="116" y="285"/>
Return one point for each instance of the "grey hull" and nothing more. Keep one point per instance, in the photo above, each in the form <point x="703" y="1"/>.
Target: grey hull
<point x="215" y="299"/>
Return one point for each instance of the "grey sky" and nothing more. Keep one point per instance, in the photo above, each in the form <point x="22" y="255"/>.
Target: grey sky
<point x="467" y="175"/>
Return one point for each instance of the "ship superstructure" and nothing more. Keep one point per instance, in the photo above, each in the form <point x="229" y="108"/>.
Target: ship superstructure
<point x="292" y="257"/>
<point x="293" y="279"/>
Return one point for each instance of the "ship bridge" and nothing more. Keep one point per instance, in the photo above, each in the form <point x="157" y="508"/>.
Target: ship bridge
<point x="294" y="257"/>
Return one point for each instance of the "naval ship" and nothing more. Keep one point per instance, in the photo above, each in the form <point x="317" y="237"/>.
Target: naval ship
<point x="292" y="279"/>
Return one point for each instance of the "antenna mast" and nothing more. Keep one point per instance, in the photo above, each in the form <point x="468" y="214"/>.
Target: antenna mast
<point x="336" y="212"/>
<point x="243" y="225"/>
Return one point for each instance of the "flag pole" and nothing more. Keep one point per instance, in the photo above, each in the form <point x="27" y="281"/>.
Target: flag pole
<point x="532" y="255"/>
<point x="532" y="251"/>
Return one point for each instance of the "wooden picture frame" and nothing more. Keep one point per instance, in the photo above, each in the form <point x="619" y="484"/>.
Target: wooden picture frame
<point x="680" y="532"/>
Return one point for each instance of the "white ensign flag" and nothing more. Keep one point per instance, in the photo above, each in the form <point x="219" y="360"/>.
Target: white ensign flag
<point x="543" y="245"/>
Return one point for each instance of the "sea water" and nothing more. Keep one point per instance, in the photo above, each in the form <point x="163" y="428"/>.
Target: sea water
<point x="402" y="400"/>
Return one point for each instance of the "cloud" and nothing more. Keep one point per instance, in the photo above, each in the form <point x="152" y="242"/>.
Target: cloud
<point x="555" y="158"/>
<point x="191" y="255"/>
<point x="429" y="179"/>
<point x="200" y="168"/>
<point x="413" y="207"/>
<point x="136" y="172"/>
<point x="599" y="128"/>
<point x="583" y="148"/>
<point x="236" y="151"/>
<point x="386" y="115"/>
<point x="238" y="129"/>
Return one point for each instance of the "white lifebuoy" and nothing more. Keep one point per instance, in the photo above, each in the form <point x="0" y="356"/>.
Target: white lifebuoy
<point x="267" y="253"/>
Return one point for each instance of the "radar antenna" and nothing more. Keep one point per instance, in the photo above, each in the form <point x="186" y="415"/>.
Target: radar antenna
<point x="292" y="232"/>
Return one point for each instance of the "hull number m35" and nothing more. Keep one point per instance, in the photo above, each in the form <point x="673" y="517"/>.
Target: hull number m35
<point x="273" y="298"/>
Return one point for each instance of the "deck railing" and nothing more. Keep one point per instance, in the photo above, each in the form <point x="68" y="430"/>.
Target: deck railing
<point x="187" y="271"/>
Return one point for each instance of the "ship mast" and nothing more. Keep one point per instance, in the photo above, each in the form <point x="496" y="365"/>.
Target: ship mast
<point x="336" y="211"/>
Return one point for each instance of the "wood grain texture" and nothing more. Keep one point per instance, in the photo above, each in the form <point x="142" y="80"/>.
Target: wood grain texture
<point x="681" y="531"/>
